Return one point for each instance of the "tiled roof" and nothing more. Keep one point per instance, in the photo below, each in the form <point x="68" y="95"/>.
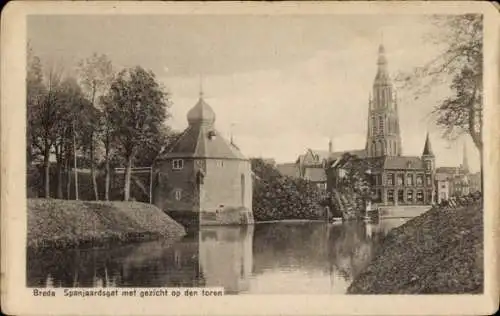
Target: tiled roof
<point x="401" y="162"/>
<point x="449" y="170"/>
<point x="196" y="143"/>
<point x="360" y="153"/>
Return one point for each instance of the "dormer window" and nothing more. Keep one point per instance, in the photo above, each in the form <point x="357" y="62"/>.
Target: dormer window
<point x="211" y="135"/>
<point x="177" y="164"/>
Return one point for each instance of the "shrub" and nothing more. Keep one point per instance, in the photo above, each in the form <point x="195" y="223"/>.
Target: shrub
<point x="277" y="197"/>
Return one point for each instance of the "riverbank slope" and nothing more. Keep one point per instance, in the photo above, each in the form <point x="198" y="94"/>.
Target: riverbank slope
<point x="62" y="223"/>
<point x="438" y="252"/>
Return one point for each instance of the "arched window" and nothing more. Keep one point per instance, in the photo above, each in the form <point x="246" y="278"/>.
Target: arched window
<point x="381" y="124"/>
<point x="409" y="179"/>
<point x="420" y="196"/>
<point x="374" y="126"/>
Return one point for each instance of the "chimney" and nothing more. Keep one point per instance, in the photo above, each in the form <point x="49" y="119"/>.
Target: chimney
<point x="330" y="146"/>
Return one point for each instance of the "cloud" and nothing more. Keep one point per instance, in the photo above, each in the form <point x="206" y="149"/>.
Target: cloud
<point x="287" y="83"/>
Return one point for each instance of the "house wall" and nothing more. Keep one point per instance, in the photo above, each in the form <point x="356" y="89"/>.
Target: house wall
<point x="443" y="190"/>
<point x="223" y="187"/>
<point x="168" y="181"/>
<point x="221" y="192"/>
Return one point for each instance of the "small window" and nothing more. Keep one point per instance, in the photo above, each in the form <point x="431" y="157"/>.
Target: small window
<point x="409" y="196"/>
<point x="409" y="179"/>
<point x="400" y="179"/>
<point x="429" y="180"/>
<point x="177" y="164"/>
<point x="390" y="179"/>
<point x="420" y="180"/>
<point x="420" y="196"/>
<point x="178" y="194"/>
<point x="390" y="196"/>
<point x="220" y="163"/>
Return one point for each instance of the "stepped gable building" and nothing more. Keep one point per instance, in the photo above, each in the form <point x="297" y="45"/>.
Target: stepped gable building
<point x="203" y="173"/>
<point x="397" y="179"/>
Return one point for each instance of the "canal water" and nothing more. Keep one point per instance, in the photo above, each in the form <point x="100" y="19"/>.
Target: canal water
<point x="277" y="258"/>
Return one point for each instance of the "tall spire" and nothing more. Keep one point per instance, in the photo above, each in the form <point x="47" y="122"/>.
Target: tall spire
<point x="382" y="77"/>
<point x="465" y="161"/>
<point x="427" y="147"/>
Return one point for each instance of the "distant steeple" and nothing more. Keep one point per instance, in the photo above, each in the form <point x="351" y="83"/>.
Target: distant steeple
<point x="465" y="161"/>
<point x="383" y="134"/>
<point x="330" y="146"/>
<point x="427" y="147"/>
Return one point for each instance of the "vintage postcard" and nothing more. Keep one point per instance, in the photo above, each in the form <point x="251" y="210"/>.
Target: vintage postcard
<point x="247" y="158"/>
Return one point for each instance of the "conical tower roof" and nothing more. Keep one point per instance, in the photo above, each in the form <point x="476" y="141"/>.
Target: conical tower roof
<point x="427" y="147"/>
<point x="382" y="77"/>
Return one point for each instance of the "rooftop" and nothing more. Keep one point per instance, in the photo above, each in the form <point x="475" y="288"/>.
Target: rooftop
<point x="200" y="139"/>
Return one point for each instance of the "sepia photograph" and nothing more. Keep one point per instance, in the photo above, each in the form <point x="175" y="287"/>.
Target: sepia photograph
<point x="254" y="154"/>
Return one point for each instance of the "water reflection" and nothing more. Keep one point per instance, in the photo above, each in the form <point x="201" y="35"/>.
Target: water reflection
<point x="265" y="258"/>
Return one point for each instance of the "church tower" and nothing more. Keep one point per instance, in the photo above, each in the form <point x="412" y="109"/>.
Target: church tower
<point x="383" y="135"/>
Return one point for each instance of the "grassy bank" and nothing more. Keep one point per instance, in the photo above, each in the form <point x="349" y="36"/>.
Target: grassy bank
<point x="438" y="252"/>
<point x="61" y="223"/>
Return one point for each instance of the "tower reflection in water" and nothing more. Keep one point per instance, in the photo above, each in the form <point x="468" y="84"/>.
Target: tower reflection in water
<point x="262" y="259"/>
<point x="226" y="257"/>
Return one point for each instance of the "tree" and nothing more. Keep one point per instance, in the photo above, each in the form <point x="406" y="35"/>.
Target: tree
<point x="74" y="115"/>
<point x="148" y="152"/>
<point x="350" y="179"/>
<point x="277" y="197"/>
<point x="96" y="73"/>
<point x="35" y="94"/>
<point x="138" y="108"/>
<point x="460" y="62"/>
<point x="35" y="97"/>
<point x="46" y="120"/>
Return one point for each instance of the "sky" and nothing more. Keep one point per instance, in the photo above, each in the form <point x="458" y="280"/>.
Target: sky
<point x="278" y="84"/>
